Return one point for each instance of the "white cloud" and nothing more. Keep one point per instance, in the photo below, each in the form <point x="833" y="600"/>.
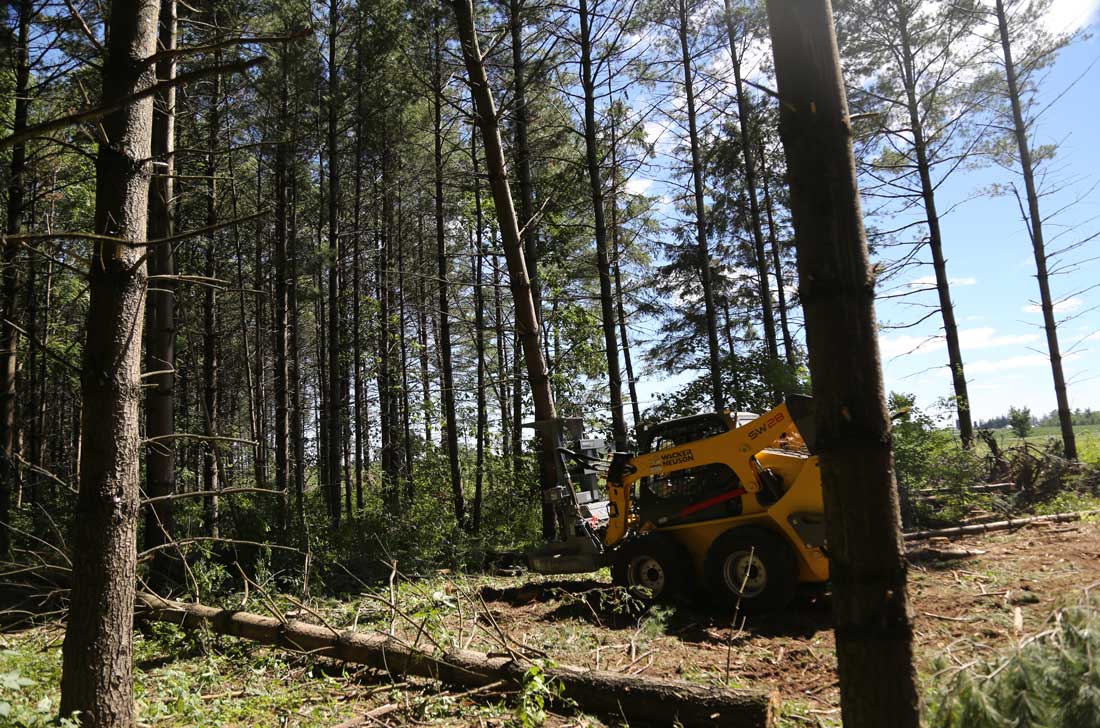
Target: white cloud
<point x="653" y="131"/>
<point x="930" y="282"/>
<point x="638" y="185"/>
<point x="1064" y="306"/>
<point x="891" y="346"/>
<point x="987" y="338"/>
<point x="1068" y="15"/>
<point x="984" y="337"/>
<point x="1027" y="361"/>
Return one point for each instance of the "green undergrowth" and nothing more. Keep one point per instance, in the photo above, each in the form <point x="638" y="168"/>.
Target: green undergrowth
<point x="935" y="473"/>
<point x="1049" y="680"/>
<point x="200" y="679"/>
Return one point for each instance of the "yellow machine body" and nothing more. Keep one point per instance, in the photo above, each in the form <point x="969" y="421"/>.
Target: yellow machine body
<point x="767" y="447"/>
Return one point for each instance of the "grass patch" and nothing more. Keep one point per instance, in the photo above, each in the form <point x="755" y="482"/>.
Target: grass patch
<point x="1088" y="439"/>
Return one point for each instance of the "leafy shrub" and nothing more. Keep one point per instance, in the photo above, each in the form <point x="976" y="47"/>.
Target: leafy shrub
<point x="1048" y="681"/>
<point x="927" y="455"/>
<point x="1020" y="421"/>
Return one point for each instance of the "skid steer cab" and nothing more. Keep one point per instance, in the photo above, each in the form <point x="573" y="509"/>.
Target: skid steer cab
<point x="728" y="501"/>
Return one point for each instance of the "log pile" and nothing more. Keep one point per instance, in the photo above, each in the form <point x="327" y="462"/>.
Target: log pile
<point x="595" y="691"/>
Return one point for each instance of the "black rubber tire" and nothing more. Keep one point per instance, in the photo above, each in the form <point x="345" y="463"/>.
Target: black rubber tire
<point x="772" y="573"/>
<point x="668" y="564"/>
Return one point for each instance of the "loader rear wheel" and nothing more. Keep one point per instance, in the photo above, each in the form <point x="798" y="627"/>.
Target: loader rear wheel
<point x="753" y="569"/>
<point x="653" y="567"/>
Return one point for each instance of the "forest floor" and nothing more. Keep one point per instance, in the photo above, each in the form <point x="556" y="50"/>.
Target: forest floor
<point x="964" y="611"/>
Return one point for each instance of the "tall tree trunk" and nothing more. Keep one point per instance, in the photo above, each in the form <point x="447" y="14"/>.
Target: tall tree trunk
<point x="406" y="422"/>
<point x="322" y="392"/>
<point x="935" y="238"/>
<point x="360" y="412"/>
<point x="529" y="238"/>
<point x="503" y="370"/>
<point x="422" y="331"/>
<point x="527" y="322"/>
<point x="9" y="282"/>
<point x="281" y="303"/>
<point x="731" y="344"/>
<point x="743" y="122"/>
<point x="160" y="310"/>
<point x="387" y="386"/>
<point x="1034" y="221"/>
<point x="450" y="433"/>
<point x="211" y="334"/>
<point x="522" y="154"/>
<point x="97" y="655"/>
<point x="479" y="336"/>
<point x="297" y="425"/>
<point x="777" y="264"/>
<point x="334" y="378"/>
<point x="39" y="372"/>
<point x="874" y="629"/>
<point x="254" y="367"/>
<point x="700" y="215"/>
<point x="252" y="361"/>
<point x="603" y="262"/>
<point x="618" y="252"/>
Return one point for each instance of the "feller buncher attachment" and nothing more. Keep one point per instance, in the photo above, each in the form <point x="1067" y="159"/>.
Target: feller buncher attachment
<point x="731" y="501"/>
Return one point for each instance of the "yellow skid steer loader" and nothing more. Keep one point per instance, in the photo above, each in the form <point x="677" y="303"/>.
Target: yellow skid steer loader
<point x="729" y="501"/>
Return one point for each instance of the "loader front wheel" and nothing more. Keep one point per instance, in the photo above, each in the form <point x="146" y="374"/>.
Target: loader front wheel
<point x="653" y="567"/>
<point x="752" y="569"/>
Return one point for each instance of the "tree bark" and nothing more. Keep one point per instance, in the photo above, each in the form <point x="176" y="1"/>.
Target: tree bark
<point x="618" y="252"/>
<point x="873" y="624"/>
<point x="361" y="423"/>
<point x="9" y="278"/>
<point x="281" y="303"/>
<point x="479" y="336"/>
<point x="522" y="154"/>
<point x="603" y="262"/>
<point x="211" y="335"/>
<point x="631" y="696"/>
<point x="777" y="263"/>
<point x="297" y="425"/>
<point x="422" y="326"/>
<point x="97" y="656"/>
<point x="764" y="289"/>
<point x="503" y="370"/>
<point x="450" y="430"/>
<point x="703" y="252"/>
<point x="1034" y="221"/>
<point x="334" y="253"/>
<point x="160" y="310"/>
<point x="935" y="237"/>
<point x="527" y="322"/>
<point x="402" y="329"/>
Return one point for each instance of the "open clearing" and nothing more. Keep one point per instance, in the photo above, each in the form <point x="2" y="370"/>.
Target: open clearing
<point x="964" y="610"/>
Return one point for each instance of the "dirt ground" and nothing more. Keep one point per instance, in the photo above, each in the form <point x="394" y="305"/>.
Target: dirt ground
<point x="965" y="609"/>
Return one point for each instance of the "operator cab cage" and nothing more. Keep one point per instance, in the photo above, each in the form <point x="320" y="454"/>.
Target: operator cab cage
<point x="674" y="433"/>
<point x="707" y="491"/>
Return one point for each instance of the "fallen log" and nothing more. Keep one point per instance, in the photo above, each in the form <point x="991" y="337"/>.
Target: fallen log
<point x="933" y="493"/>
<point x="997" y="525"/>
<point x="596" y="691"/>
<point x="933" y="554"/>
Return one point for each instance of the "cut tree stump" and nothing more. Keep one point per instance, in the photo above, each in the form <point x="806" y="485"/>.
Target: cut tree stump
<point x="631" y="696"/>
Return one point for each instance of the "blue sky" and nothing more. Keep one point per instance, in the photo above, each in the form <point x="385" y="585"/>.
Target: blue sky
<point x="991" y="264"/>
